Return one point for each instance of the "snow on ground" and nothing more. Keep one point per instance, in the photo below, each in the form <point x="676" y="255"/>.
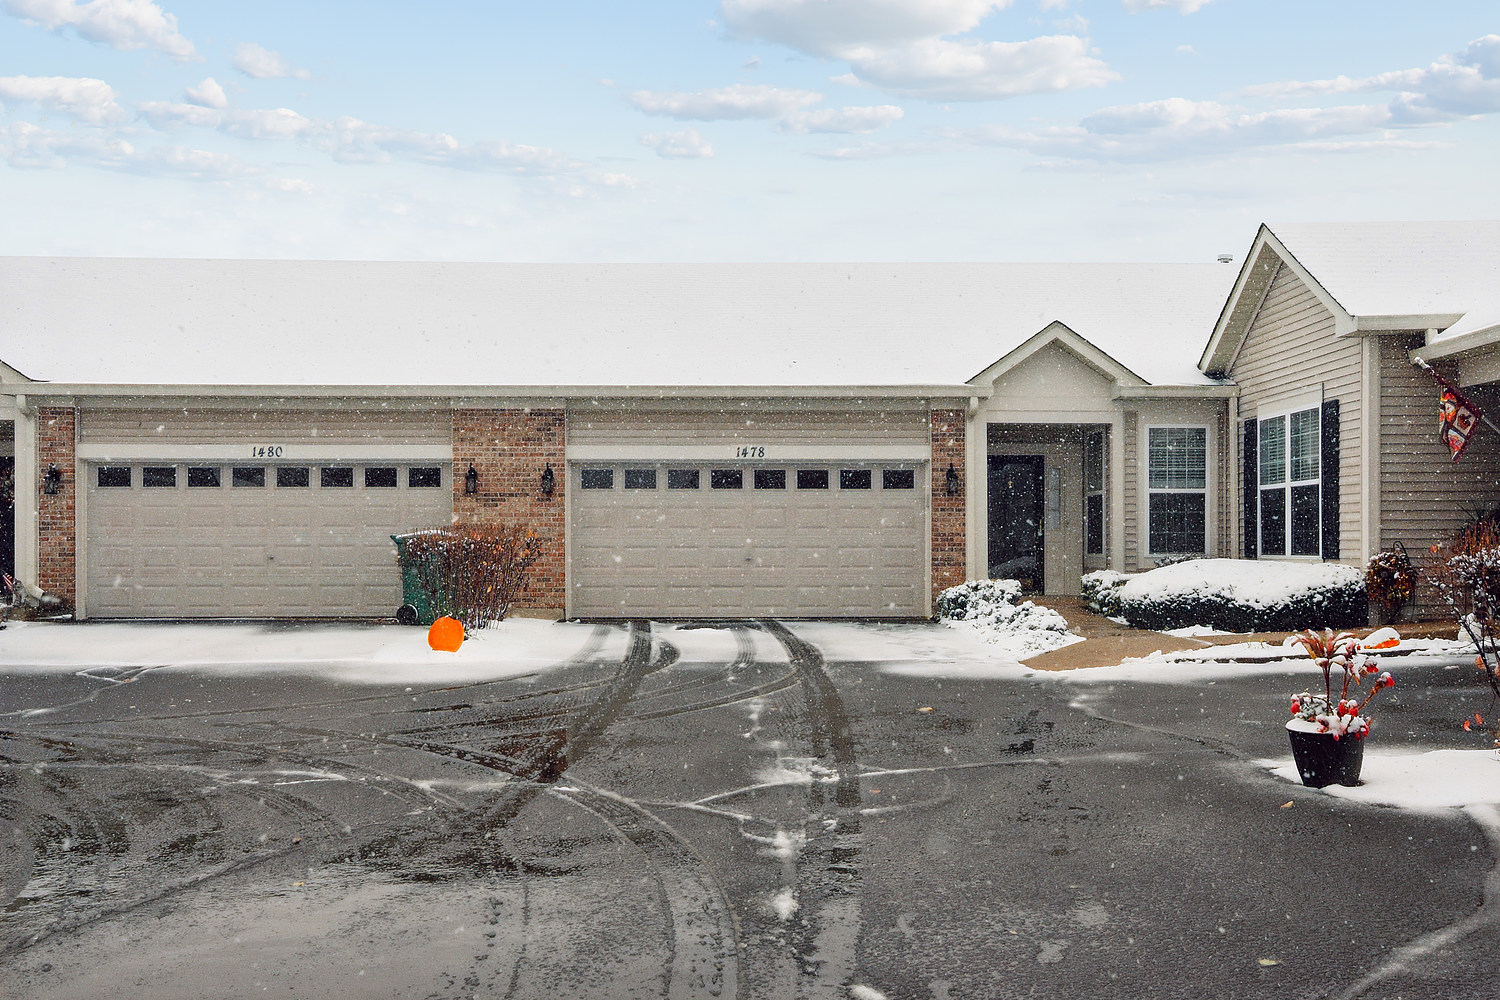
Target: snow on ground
<point x="354" y="654"/>
<point x="1194" y="631"/>
<point x="1438" y="779"/>
<point x="916" y="650"/>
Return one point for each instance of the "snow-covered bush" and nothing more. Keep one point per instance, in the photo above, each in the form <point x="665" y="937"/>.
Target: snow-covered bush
<point x="1100" y="590"/>
<point x="1241" y="595"/>
<point x="1022" y="629"/>
<point x="969" y="600"/>
<point x="1468" y="578"/>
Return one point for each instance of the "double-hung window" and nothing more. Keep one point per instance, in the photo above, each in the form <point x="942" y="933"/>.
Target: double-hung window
<point x="1093" y="493"/>
<point x="1290" y="484"/>
<point x="1177" y="481"/>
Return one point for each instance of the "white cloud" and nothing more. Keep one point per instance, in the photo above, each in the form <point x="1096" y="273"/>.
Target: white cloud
<point x="684" y="145"/>
<point x="25" y="145"/>
<point x="840" y="121"/>
<point x="937" y="69"/>
<point x="1183" y="6"/>
<point x="1186" y="50"/>
<point x="120" y="24"/>
<point x="84" y="98"/>
<point x="208" y="94"/>
<point x="829" y="27"/>
<point x="739" y="101"/>
<point x="263" y="64"/>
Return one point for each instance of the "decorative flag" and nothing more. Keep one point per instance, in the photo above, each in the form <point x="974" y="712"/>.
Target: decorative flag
<point x="1458" y="418"/>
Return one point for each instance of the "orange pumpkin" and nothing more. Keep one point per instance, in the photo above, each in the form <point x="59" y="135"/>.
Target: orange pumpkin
<point x="446" y="634"/>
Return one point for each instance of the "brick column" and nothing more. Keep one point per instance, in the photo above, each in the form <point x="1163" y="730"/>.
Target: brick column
<point x="509" y="449"/>
<point x="949" y="539"/>
<point x="57" y="533"/>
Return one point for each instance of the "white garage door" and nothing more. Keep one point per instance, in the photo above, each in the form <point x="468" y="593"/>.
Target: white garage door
<point x="797" y="540"/>
<point x="219" y="540"/>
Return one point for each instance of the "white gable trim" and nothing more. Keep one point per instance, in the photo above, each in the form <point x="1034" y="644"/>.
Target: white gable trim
<point x="1059" y="333"/>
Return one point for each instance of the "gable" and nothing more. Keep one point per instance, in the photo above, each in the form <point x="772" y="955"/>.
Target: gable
<point x="9" y="375"/>
<point x="1050" y="378"/>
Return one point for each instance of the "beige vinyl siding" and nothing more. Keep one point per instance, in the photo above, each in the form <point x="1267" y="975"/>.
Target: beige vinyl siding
<point x="1132" y="492"/>
<point x="1291" y="350"/>
<point x="674" y="428"/>
<point x="206" y="425"/>
<point x="1424" y="496"/>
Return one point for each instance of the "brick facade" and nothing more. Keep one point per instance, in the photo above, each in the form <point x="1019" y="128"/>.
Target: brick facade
<point x="949" y="541"/>
<point x="510" y="449"/>
<point x="57" y="542"/>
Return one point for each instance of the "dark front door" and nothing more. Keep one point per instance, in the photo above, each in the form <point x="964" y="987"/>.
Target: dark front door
<point x="1015" y="507"/>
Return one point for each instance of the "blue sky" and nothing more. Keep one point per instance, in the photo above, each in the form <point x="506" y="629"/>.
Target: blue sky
<point x="726" y="130"/>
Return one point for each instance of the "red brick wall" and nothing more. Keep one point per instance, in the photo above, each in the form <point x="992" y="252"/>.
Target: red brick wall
<point x="57" y="523"/>
<point x="509" y="449"/>
<point x="948" y="536"/>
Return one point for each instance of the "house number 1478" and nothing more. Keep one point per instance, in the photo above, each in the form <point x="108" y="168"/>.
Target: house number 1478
<point x="752" y="451"/>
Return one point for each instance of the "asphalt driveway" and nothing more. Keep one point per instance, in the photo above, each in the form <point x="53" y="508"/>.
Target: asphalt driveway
<point x="747" y="810"/>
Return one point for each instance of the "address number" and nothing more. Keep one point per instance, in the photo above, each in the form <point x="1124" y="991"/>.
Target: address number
<point x="266" y="451"/>
<point x="750" y="451"/>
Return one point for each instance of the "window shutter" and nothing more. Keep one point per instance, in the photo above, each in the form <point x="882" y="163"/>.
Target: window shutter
<point x="1330" y="467"/>
<point x="1250" y="492"/>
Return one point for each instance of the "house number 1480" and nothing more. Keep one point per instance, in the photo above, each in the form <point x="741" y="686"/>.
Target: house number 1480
<point x="266" y="451"/>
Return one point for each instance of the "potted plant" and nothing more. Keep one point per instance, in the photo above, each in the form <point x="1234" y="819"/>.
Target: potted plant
<point x="1328" y="734"/>
<point x="1390" y="581"/>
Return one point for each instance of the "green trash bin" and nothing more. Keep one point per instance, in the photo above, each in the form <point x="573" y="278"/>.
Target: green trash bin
<point x="416" y="607"/>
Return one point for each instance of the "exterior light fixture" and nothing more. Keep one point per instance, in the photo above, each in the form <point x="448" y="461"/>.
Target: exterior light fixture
<point x="951" y="481"/>
<point x="51" y="480"/>
<point x="549" y="480"/>
<point x="471" y="481"/>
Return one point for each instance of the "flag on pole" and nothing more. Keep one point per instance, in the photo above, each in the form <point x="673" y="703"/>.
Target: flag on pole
<point x="1458" y="418"/>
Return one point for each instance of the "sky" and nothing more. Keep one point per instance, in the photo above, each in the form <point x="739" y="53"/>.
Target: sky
<point x="735" y="130"/>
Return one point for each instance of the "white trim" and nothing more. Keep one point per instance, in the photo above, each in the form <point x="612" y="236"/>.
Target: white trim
<point x="1287" y="483"/>
<point x="1060" y="333"/>
<point x="160" y="451"/>
<point x="773" y="453"/>
<point x="1209" y="454"/>
<point x="1369" y="453"/>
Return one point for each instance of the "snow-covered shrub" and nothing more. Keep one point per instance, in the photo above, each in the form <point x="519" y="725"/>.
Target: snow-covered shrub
<point x="472" y="572"/>
<point x="1100" y="590"/>
<point x="969" y="600"/>
<point x="1390" y="581"/>
<point x="1468" y="578"/>
<point x="1242" y="595"/>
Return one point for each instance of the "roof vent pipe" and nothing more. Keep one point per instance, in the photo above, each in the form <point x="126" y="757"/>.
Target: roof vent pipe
<point x="1225" y="258"/>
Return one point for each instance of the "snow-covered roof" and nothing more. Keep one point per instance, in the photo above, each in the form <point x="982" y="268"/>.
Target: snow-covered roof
<point x="296" y="323"/>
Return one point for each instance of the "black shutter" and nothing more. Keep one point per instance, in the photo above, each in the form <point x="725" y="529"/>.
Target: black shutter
<point x="1330" y="466"/>
<point x="1250" y="492"/>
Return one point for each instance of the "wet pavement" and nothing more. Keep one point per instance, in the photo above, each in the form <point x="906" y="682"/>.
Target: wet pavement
<point x="779" y="823"/>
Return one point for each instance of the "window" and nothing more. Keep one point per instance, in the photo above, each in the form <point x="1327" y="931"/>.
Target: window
<point x="1177" y="480"/>
<point x="854" y="479"/>
<point x="597" y="479"/>
<point x="204" y="476"/>
<point x="640" y="479"/>
<point x="255" y="476"/>
<point x="424" y="477"/>
<point x="1093" y="493"/>
<point x="812" y="479"/>
<point x="898" y="479"/>
<point x="114" y="475"/>
<point x="726" y="479"/>
<point x="682" y="479"/>
<point x="159" y="476"/>
<point x="291" y="476"/>
<point x="770" y="479"/>
<point x="340" y="477"/>
<point x="1290" y="484"/>
<point x="380" y="477"/>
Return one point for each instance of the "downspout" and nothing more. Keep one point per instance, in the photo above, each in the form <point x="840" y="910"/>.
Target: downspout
<point x="27" y="516"/>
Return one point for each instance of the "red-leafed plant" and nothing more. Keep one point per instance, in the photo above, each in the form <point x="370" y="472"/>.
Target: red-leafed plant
<point x="473" y="572"/>
<point x="1344" y="716"/>
<point x="1467" y="575"/>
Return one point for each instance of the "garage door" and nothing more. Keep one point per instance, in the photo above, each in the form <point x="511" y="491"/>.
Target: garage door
<point x="221" y="540"/>
<point x="790" y="540"/>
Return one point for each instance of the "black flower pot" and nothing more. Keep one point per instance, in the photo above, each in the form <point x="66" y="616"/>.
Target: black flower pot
<point x="1323" y="760"/>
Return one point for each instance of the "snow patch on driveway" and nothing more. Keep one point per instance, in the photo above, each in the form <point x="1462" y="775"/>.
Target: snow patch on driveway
<point x="1426" y="782"/>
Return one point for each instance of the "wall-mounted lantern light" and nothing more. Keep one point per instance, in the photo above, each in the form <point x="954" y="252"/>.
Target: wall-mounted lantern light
<point x="471" y="481"/>
<point x="951" y="481"/>
<point x="549" y="480"/>
<point x="51" y="480"/>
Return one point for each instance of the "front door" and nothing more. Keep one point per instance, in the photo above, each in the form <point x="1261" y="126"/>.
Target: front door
<point x="1016" y="504"/>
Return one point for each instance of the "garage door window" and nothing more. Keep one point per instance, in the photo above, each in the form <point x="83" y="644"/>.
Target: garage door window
<point x="812" y="479"/>
<point x="854" y="479"/>
<point x="424" y="477"/>
<point x="898" y="479"/>
<point x="254" y="476"/>
<point x="159" y="476"/>
<point x="114" y="475"/>
<point x="770" y="479"/>
<point x="640" y="479"/>
<point x="203" y="475"/>
<point x="726" y="479"/>
<point x="381" y="477"/>
<point x="598" y="479"/>
<point x="682" y="479"/>
<point x="291" y="477"/>
<point x="337" y="478"/>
